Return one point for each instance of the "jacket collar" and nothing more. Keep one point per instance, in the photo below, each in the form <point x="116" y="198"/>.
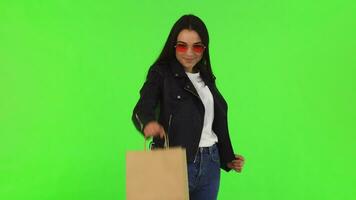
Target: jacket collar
<point x="177" y="69"/>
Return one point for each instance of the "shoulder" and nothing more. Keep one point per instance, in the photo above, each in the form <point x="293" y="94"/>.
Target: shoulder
<point x="161" y="69"/>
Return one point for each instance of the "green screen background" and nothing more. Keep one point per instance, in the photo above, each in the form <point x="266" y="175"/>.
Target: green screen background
<point x="70" y="73"/>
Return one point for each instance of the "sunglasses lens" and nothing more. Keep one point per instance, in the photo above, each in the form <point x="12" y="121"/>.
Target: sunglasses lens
<point x="181" y="48"/>
<point x="198" y="48"/>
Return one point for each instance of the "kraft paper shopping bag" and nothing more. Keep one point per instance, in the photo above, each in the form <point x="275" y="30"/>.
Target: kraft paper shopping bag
<point x="159" y="174"/>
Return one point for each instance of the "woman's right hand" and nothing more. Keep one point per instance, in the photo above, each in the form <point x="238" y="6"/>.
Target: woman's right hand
<point x="154" y="129"/>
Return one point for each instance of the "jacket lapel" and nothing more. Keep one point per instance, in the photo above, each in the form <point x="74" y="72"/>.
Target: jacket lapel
<point x="179" y="73"/>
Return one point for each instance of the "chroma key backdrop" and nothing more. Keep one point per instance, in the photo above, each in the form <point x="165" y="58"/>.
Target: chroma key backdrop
<point x="71" y="71"/>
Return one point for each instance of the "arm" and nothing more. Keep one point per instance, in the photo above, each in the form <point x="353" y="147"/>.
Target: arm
<point x="144" y="111"/>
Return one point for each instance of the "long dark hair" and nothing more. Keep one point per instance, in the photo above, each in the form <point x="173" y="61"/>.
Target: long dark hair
<point x="189" y="22"/>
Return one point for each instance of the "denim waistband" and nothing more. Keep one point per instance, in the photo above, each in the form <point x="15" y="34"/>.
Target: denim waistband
<point x="208" y="150"/>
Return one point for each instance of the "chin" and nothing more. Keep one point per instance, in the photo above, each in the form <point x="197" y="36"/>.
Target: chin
<point x="190" y="66"/>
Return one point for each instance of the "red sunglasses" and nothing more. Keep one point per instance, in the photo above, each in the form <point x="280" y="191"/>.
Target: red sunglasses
<point x="182" y="48"/>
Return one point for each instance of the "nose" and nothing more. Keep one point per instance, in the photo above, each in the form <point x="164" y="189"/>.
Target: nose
<point x="190" y="52"/>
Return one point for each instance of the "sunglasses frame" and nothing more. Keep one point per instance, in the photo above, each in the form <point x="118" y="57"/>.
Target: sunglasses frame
<point x="192" y="46"/>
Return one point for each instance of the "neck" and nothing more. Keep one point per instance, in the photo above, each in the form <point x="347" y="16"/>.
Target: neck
<point x="192" y="70"/>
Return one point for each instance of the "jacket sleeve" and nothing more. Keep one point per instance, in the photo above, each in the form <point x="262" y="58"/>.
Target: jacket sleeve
<point x="145" y="109"/>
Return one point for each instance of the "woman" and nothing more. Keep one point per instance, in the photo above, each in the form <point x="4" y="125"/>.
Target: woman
<point x="180" y="98"/>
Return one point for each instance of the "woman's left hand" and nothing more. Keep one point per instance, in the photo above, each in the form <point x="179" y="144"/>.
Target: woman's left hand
<point x="237" y="164"/>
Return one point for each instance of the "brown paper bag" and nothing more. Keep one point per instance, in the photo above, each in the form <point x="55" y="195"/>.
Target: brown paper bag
<point x="159" y="174"/>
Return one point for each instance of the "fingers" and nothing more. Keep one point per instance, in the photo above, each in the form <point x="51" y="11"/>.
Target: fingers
<point x="150" y="129"/>
<point x="154" y="129"/>
<point x="238" y="170"/>
<point x="239" y="157"/>
<point x="237" y="167"/>
<point x="238" y="163"/>
<point x="234" y="167"/>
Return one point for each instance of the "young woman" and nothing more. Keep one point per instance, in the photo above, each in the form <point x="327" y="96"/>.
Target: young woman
<point x="180" y="99"/>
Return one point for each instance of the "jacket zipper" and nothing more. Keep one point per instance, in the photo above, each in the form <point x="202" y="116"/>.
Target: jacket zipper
<point x="192" y="92"/>
<point x="169" y="128"/>
<point x="169" y="122"/>
<point x="139" y="121"/>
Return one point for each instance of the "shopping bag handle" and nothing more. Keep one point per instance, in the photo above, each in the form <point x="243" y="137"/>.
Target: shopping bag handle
<point x="166" y="142"/>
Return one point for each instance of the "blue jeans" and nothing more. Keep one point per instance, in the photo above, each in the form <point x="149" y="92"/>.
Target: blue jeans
<point x="204" y="174"/>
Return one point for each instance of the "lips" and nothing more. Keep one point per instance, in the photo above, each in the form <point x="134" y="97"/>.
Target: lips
<point x="188" y="60"/>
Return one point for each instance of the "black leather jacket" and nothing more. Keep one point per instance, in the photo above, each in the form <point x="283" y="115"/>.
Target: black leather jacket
<point x="169" y="97"/>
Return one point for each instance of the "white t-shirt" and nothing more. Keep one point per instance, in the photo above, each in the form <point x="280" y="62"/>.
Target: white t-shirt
<point x="208" y="137"/>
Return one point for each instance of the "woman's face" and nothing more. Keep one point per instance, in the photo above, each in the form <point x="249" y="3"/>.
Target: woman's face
<point x="189" y="49"/>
